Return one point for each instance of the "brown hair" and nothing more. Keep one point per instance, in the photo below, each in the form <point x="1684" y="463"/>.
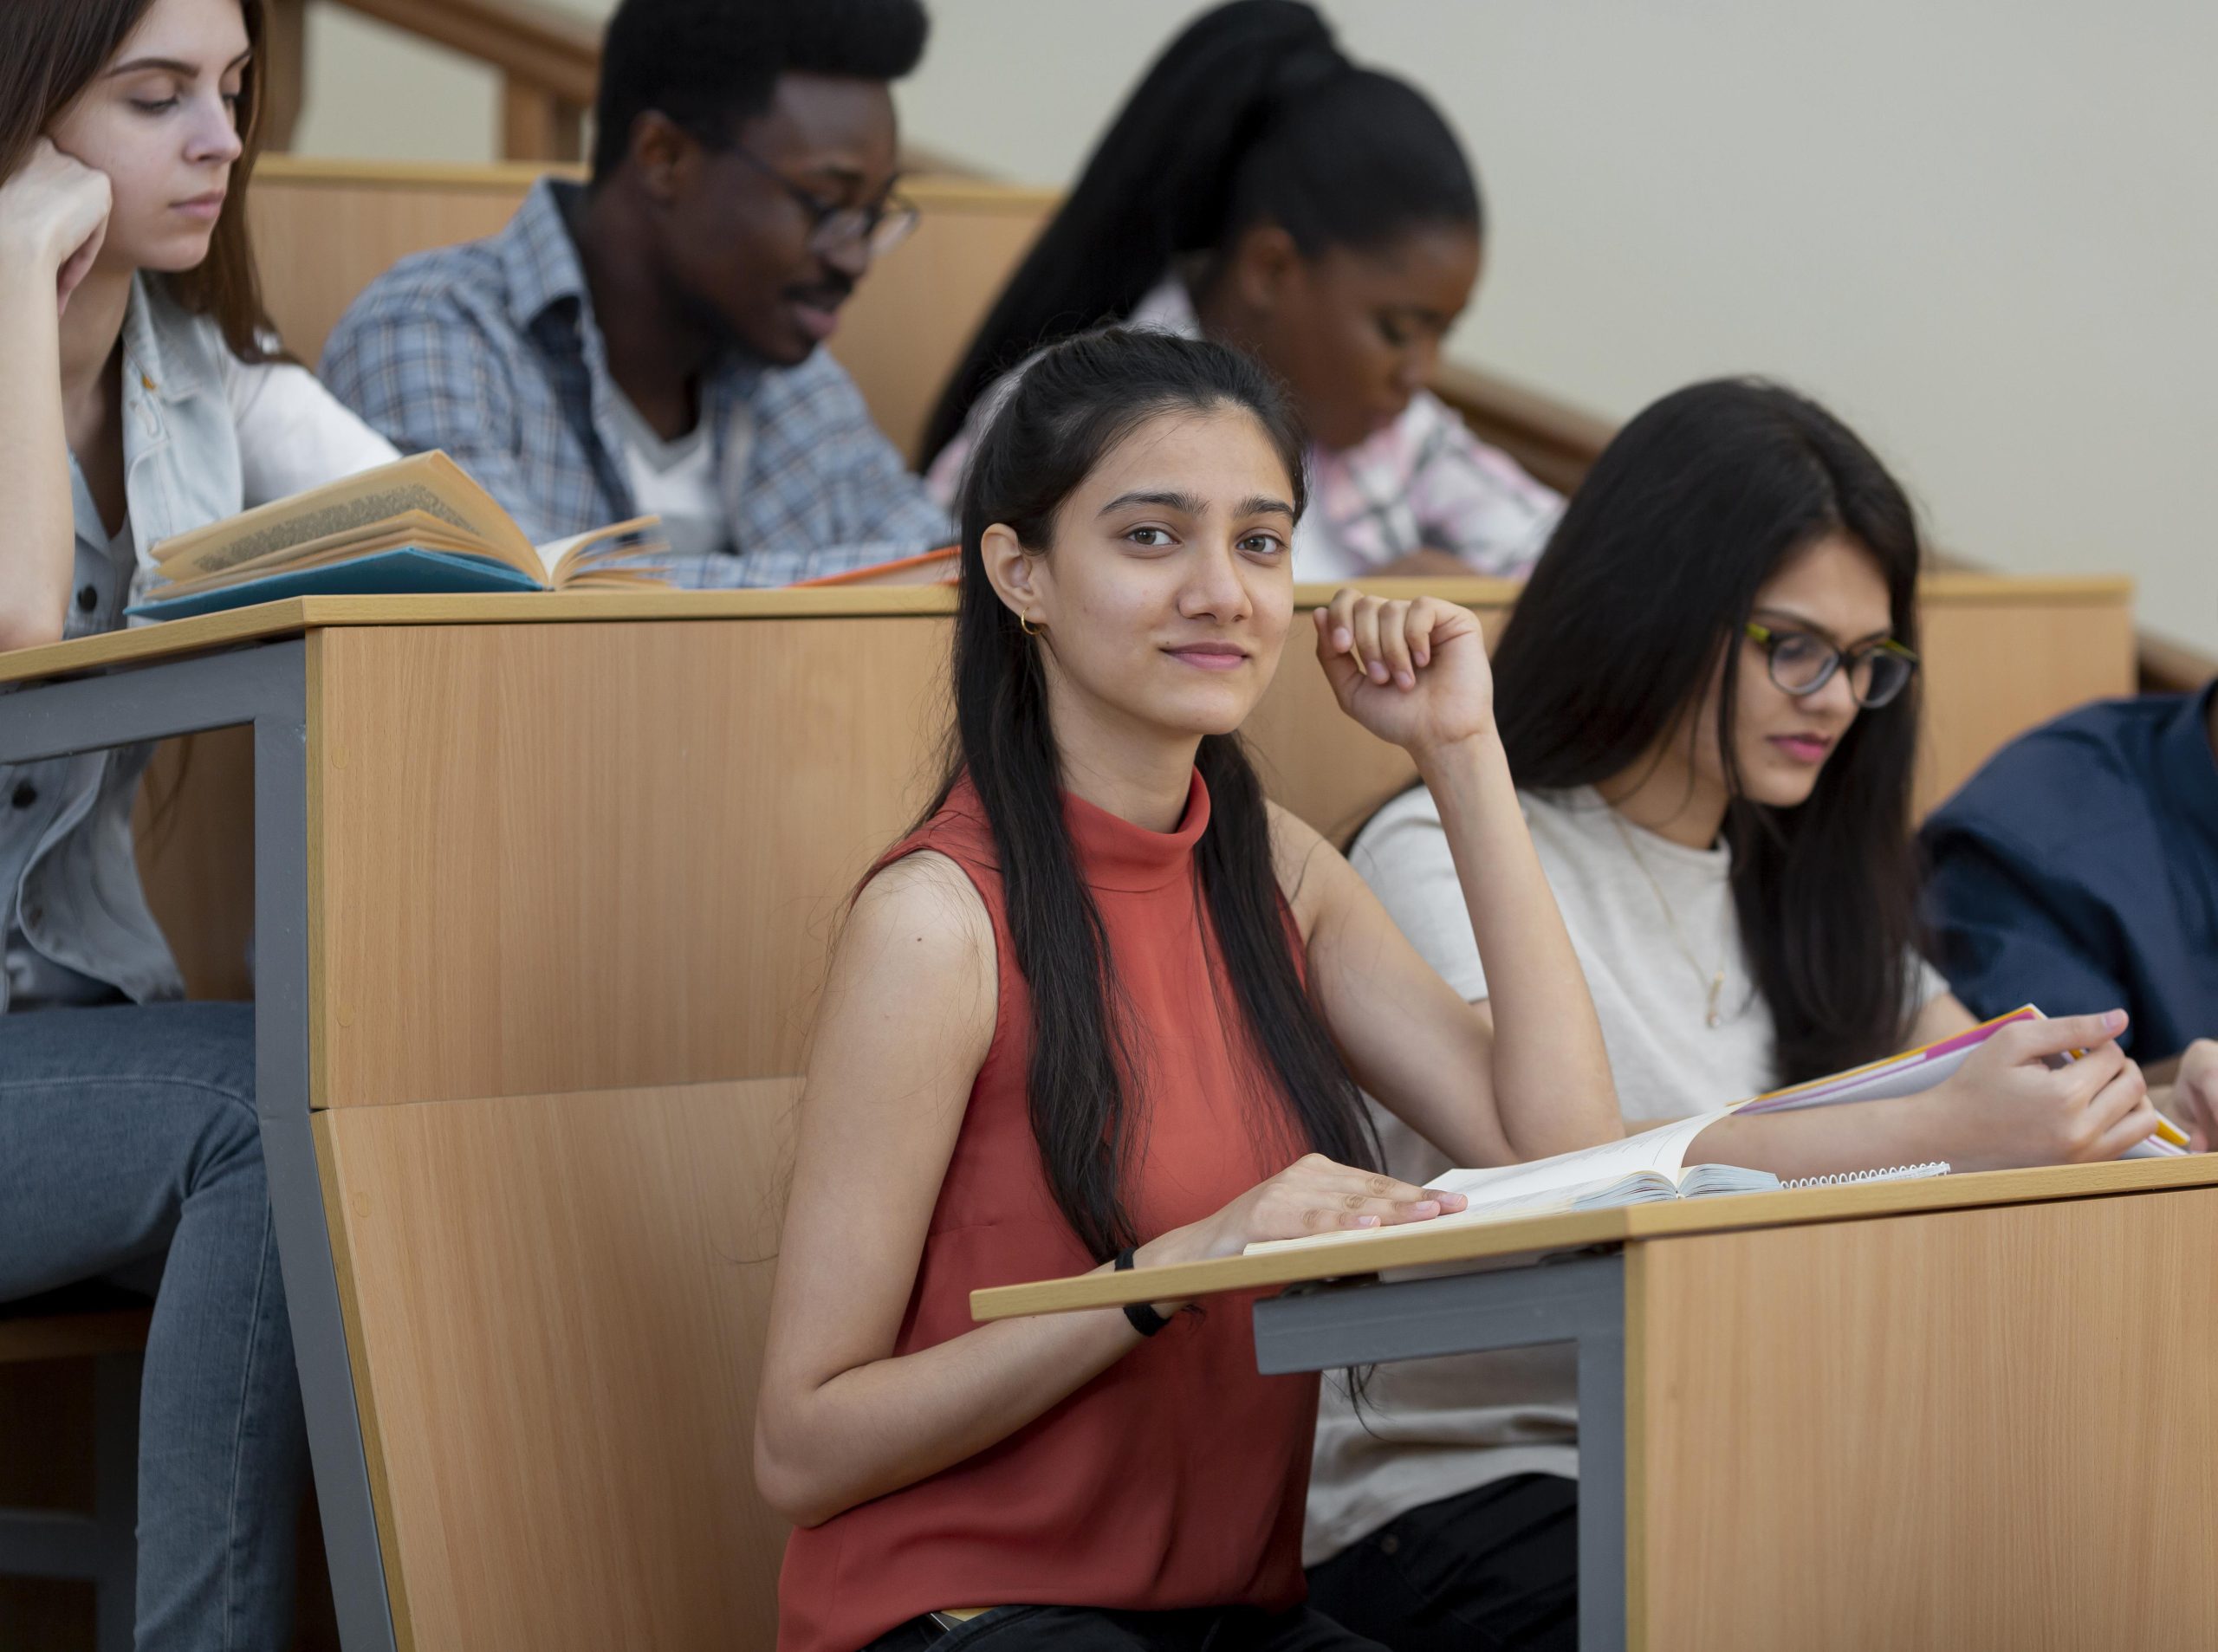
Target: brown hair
<point x="50" y="51"/>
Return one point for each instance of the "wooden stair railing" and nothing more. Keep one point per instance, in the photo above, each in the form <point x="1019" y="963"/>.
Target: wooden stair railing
<point x="547" y="59"/>
<point x="549" y="63"/>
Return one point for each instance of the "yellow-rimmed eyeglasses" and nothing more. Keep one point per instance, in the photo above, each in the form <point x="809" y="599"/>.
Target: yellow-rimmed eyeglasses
<point x="1802" y="662"/>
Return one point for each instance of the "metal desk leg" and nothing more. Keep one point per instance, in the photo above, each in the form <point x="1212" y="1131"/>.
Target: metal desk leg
<point x="1602" y="1603"/>
<point x="1579" y="1299"/>
<point x="266" y="686"/>
<point x="280" y="1031"/>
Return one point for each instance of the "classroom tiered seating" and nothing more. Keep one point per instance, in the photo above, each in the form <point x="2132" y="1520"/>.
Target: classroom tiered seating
<point x="555" y="1258"/>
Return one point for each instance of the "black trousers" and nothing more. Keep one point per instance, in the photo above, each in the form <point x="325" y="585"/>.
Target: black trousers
<point x="1497" y="1568"/>
<point x="1078" y="1628"/>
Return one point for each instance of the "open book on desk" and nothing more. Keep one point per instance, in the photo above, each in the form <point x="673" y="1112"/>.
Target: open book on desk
<point x="416" y="526"/>
<point x="1640" y="1169"/>
<point x="1647" y="1166"/>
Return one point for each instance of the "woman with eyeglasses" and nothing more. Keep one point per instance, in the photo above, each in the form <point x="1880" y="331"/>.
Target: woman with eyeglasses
<point x="1708" y="697"/>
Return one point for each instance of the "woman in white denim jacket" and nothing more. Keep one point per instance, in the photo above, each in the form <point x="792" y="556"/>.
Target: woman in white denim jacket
<point x="143" y="397"/>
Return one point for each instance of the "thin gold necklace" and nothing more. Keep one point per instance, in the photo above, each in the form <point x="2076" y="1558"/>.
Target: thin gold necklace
<point x="1714" y="979"/>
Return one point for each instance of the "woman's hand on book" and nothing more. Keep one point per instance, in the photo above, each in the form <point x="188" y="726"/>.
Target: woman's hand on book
<point x="1414" y="673"/>
<point x="53" y="218"/>
<point x="1314" y="1195"/>
<point x="2008" y="1107"/>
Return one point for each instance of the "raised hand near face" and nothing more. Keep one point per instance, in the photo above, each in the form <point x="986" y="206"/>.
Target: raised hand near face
<point x="1413" y="672"/>
<point x="53" y="218"/>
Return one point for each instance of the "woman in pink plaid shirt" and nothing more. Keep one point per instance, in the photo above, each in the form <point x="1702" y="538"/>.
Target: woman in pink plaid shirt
<point x="1261" y="190"/>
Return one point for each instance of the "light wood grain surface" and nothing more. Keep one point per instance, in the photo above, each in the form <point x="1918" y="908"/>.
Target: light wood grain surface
<point x="1424" y="1245"/>
<point x="1999" y="602"/>
<point x="556" y="1305"/>
<point x="176" y="638"/>
<point x="1968" y="1429"/>
<point x="577" y="857"/>
<point x="1983" y="690"/>
<point x="194" y="828"/>
<point x="1997" y="663"/>
<point x="551" y="856"/>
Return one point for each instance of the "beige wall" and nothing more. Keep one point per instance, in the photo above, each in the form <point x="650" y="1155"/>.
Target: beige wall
<point x="374" y="91"/>
<point x="1985" y="233"/>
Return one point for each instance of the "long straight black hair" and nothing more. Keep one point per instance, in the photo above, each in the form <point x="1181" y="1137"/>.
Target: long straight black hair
<point x="1086" y="1078"/>
<point x="1649" y="579"/>
<point x="1252" y="115"/>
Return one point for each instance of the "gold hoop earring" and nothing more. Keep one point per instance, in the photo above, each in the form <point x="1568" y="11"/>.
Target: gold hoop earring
<point x="1028" y="627"/>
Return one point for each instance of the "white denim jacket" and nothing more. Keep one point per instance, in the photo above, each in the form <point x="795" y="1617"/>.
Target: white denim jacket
<point x="205" y="436"/>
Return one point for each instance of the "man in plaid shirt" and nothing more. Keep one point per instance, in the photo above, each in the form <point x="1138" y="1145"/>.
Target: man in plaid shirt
<point x="650" y="342"/>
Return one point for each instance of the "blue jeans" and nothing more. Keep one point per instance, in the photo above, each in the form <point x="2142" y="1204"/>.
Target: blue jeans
<point x="129" y="1150"/>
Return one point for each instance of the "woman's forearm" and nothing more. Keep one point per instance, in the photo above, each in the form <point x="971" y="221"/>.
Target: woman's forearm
<point x="895" y="1421"/>
<point x="1551" y="1074"/>
<point x="892" y="1423"/>
<point x="38" y="528"/>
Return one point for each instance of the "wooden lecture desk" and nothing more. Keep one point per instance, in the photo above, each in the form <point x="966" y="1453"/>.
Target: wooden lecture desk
<point x="1957" y="1413"/>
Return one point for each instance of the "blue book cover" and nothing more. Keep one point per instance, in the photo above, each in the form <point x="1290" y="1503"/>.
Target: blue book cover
<point x="408" y="571"/>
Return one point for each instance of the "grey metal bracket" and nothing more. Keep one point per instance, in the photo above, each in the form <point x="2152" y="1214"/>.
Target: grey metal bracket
<point x="1579" y="1298"/>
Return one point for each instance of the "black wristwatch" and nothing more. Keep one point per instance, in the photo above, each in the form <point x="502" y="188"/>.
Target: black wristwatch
<point x="1144" y="1319"/>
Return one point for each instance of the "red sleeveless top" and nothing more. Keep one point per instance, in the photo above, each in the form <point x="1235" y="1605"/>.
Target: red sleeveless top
<point x="1177" y="1477"/>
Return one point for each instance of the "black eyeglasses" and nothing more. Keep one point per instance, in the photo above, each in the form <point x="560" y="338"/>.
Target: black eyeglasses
<point x="878" y="228"/>
<point x="1802" y="664"/>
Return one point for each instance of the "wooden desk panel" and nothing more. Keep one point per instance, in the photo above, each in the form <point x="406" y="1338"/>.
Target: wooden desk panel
<point x="1998" y="662"/>
<point x="2002" y="655"/>
<point x="194" y="824"/>
<point x="1879" y="1433"/>
<point x="1435" y="1244"/>
<point x="555" y="1307"/>
<point x="557" y="858"/>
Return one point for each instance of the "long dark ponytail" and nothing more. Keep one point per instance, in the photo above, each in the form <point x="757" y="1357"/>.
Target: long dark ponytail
<point x="1251" y="116"/>
<point x="1087" y="1080"/>
<point x="1647" y="583"/>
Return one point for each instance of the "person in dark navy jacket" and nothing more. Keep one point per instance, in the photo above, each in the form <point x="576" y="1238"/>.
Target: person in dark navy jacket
<point x="2079" y="869"/>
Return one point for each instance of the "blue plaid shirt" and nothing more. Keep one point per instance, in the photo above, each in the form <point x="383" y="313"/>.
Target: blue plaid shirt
<point x="490" y="351"/>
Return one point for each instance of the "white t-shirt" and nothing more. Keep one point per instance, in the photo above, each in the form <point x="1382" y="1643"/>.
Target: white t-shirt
<point x="1433" y="1429"/>
<point x="677" y="480"/>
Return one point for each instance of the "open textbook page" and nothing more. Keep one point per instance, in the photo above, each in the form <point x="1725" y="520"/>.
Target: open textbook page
<point x="419" y="525"/>
<point x="423" y="486"/>
<point x="1640" y="1169"/>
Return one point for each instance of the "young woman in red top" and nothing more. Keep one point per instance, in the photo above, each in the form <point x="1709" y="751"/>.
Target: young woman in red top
<point x="1108" y="1005"/>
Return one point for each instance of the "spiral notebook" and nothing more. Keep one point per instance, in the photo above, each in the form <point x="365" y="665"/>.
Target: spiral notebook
<point x="1857" y="1178"/>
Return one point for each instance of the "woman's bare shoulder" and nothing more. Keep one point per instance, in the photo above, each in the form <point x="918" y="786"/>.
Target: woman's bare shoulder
<point x="924" y="899"/>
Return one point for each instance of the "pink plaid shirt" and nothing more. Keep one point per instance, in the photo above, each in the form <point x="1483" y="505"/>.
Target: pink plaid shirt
<point x="1424" y="481"/>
